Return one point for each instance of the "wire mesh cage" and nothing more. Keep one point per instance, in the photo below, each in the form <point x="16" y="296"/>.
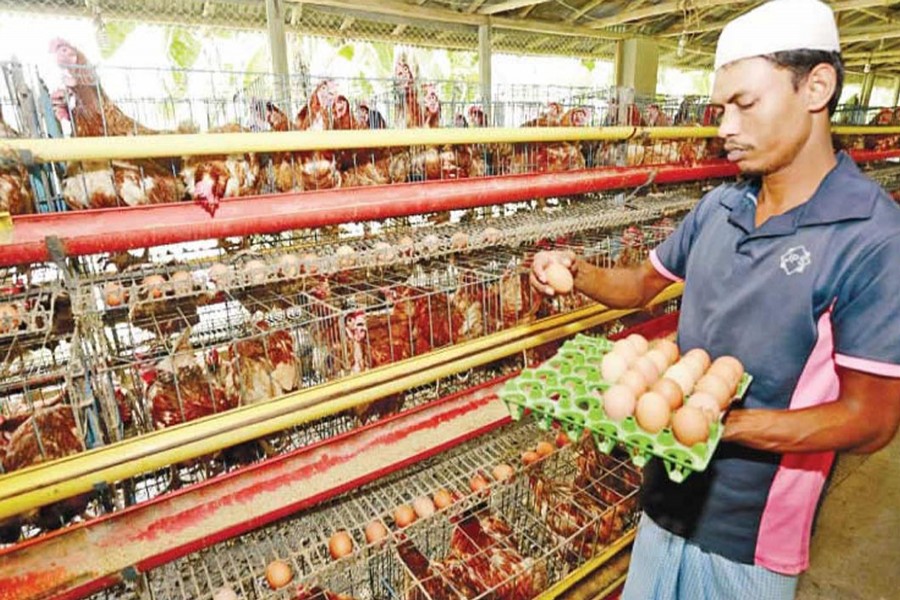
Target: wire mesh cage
<point x="494" y="542"/>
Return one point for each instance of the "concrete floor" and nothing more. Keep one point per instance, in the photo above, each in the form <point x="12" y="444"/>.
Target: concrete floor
<point x="856" y="545"/>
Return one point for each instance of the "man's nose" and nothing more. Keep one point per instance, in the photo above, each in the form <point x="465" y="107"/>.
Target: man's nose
<point x="729" y="125"/>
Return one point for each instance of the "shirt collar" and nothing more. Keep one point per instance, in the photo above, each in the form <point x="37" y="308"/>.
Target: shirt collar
<point x="843" y="195"/>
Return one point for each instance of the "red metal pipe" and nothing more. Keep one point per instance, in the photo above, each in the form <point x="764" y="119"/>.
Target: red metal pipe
<point x="118" y="229"/>
<point x="126" y="228"/>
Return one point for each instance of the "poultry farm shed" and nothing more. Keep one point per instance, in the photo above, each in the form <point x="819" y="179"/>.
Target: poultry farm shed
<point x="298" y="327"/>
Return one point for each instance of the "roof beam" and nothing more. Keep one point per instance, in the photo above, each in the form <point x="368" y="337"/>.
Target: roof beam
<point x="494" y="9"/>
<point x="870" y="34"/>
<point x="663" y="8"/>
<point x="584" y="10"/>
<point x="407" y="13"/>
<point x="842" y="6"/>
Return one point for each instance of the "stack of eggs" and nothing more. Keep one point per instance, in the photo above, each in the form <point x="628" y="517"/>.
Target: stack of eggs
<point x="651" y="383"/>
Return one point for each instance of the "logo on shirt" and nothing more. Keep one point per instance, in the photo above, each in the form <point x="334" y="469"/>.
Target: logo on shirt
<point x="795" y="260"/>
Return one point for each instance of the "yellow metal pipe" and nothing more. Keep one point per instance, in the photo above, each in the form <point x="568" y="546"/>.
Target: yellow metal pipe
<point x="158" y="146"/>
<point x="865" y="130"/>
<point x="49" y="482"/>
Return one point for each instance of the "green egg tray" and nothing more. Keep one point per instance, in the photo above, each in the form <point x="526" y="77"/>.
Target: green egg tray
<point x="567" y="389"/>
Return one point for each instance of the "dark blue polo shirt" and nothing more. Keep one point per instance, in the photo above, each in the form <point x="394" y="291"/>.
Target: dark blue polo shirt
<point x="815" y="287"/>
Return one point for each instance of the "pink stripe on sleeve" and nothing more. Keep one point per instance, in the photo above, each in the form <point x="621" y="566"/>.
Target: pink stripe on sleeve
<point x="661" y="268"/>
<point x="867" y="366"/>
<point x="786" y="525"/>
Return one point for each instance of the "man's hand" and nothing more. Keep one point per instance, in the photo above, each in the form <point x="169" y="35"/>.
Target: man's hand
<point x="542" y="260"/>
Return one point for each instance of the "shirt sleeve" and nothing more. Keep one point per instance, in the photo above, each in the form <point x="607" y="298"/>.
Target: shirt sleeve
<point x="866" y="317"/>
<point x="671" y="256"/>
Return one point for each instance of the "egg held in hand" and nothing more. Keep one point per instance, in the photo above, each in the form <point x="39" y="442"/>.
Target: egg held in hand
<point x="690" y="425"/>
<point x="619" y="402"/>
<point x="559" y="278"/>
<point x="652" y="412"/>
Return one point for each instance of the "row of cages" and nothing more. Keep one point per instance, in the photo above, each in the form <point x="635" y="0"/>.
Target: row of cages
<point x="106" y="102"/>
<point x="512" y="539"/>
<point x="104" y="348"/>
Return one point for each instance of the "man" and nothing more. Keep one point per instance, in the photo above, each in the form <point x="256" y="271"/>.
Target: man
<point x="794" y="272"/>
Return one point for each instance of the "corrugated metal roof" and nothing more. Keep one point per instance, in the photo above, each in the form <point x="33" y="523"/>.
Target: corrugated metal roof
<point x="686" y="29"/>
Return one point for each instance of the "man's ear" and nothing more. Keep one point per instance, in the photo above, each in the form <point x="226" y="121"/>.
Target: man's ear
<point x="819" y="87"/>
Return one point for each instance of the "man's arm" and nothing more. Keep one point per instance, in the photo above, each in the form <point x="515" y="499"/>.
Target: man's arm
<point x="863" y="419"/>
<point x="616" y="288"/>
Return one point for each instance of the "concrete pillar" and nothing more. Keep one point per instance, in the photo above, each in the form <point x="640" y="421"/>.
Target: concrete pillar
<point x="484" y="71"/>
<point x="637" y="63"/>
<point x="865" y="94"/>
<point x="278" y="49"/>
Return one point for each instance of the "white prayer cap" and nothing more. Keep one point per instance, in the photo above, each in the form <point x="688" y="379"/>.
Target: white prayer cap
<point x="777" y="26"/>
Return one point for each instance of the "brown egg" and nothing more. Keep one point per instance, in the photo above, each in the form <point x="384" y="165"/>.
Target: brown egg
<point x="459" y="240"/>
<point x="619" y="402"/>
<point x="732" y="365"/>
<point x="154" y="286"/>
<point x="375" y="532"/>
<point x="11" y="317"/>
<point x="699" y="355"/>
<point x="683" y="376"/>
<point x="716" y="387"/>
<point x="648" y="369"/>
<point x="491" y="235"/>
<point x="559" y="278"/>
<point x="690" y="425"/>
<point x="182" y="282"/>
<point x="613" y="366"/>
<point x="707" y="403"/>
<point x="289" y="266"/>
<point x="221" y="274"/>
<point x="278" y="574"/>
<point x="669" y="348"/>
<point x="639" y="343"/>
<point x="256" y="272"/>
<point x="346" y="257"/>
<point x="659" y="359"/>
<point x="503" y="472"/>
<point x="626" y="350"/>
<point x="404" y="515"/>
<point x="693" y="366"/>
<point x="635" y="380"/>
<point x="530" y="457"/>
<point x="544" y="449"/>
<point x="443" y="499"/>
<point x="340" y="544"/>
<point x="652" y="412"/>
<point x="478" y="483"/>
<point x="225" y="593"/>
<point x="114" y="294"/>
<point x="423" y="506"/>
<point x="669" y="390"/>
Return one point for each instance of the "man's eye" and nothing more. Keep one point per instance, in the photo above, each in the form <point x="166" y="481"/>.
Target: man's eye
<point x="745" y="105"/>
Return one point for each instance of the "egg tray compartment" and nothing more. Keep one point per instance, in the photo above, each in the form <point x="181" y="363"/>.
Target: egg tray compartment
<point x="567" y="389"/>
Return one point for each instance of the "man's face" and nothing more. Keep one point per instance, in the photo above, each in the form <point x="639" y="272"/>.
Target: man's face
<point x="765" y="121"/>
